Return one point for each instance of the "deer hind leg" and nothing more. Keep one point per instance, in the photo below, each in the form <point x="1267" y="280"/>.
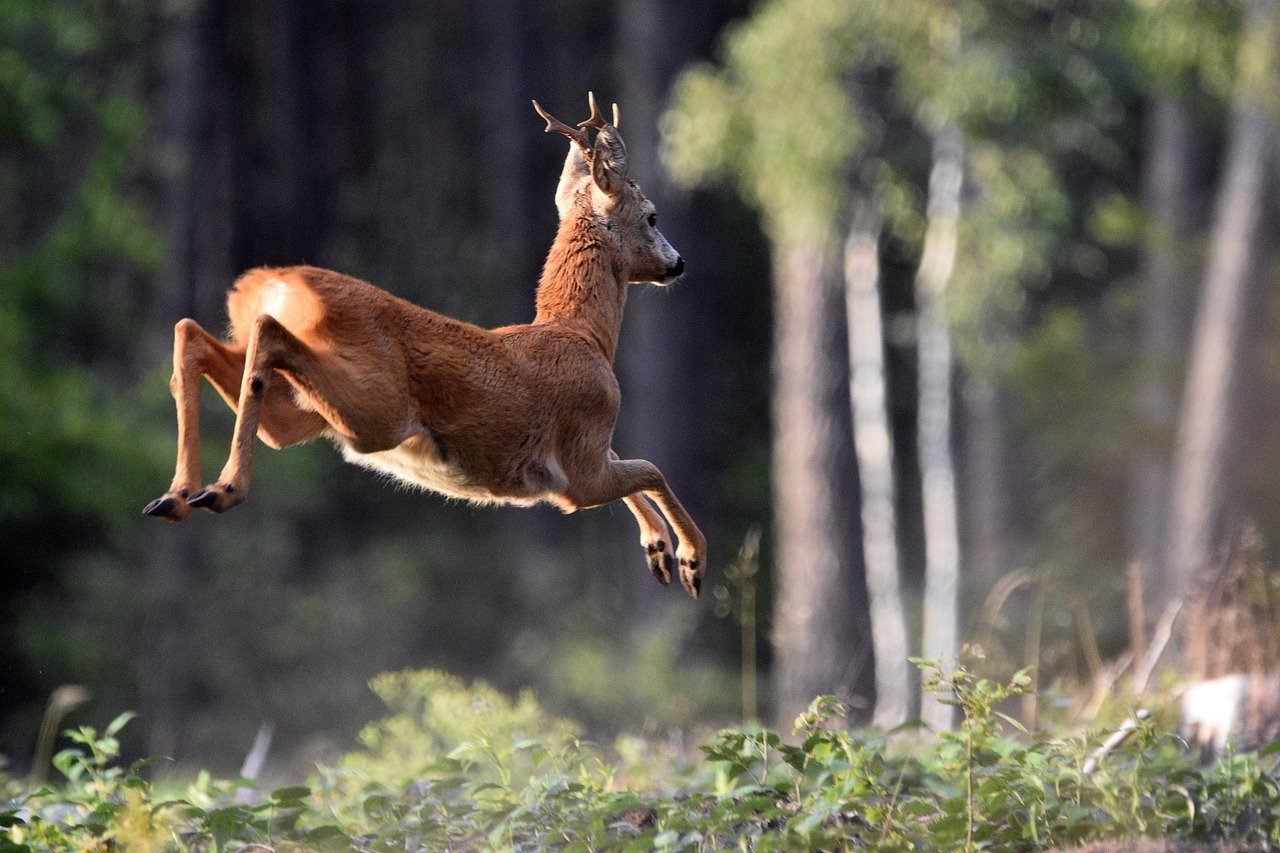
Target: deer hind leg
<point x="263" y="404"/>
<point x="197" y="353"/>
<point x="622" y="479"/>
<point x="354" y="406"/>
<point x="654" y="534"/>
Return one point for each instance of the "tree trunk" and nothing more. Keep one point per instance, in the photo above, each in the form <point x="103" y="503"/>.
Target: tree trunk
<point x="873" y="443"/>
<point x="988" y="522"/>
<point x="1233" y="292"/>
<point x="819" y="647"/>
<point x="169" y="554"/>
<point x="660" y="340"/>
<point x="1164" y="329"/>
<point x="937" y="474"/>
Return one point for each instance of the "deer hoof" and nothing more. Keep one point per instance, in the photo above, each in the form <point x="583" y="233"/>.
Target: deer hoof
<point x="691" y="576"/>
<point x="168" y="508"/>
<point x="215" y="498"/>
<point x="660" y="562"/>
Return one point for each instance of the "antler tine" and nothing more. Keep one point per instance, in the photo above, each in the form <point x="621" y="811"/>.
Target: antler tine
<point x="597" y="120"/>
<point x="554" y="125"/>
<point x="617" y="121"/>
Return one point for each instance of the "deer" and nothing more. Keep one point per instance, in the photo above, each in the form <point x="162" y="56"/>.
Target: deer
<point x="516" y="415"/>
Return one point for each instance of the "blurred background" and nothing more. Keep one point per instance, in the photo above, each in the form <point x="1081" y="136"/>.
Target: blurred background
<point x="977" y="343"/>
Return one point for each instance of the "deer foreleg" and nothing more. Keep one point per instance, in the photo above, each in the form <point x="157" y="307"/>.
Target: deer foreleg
<point x="622" y="479"/>
<point x="654" y="535"/>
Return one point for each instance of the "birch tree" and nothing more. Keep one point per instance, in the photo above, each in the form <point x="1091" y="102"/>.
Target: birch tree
<point x="784" y="140"/>
<point x="873" y="442"/>
<point x="1164" y="328"/>
<point x="793" y="74"/>
<point x="937" y="469"/>
<point x="1232" y="292"/>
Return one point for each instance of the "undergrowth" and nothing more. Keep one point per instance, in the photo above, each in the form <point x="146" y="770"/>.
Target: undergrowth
<point x="465" y="768"/>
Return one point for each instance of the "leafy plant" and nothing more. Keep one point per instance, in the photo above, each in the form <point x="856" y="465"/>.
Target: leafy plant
<point x="483" y="771"/>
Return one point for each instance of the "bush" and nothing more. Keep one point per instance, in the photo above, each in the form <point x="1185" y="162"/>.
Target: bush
<point x="464" y="767"/>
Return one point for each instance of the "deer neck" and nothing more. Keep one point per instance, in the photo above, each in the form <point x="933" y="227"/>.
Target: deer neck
<point x="582" y="284"/>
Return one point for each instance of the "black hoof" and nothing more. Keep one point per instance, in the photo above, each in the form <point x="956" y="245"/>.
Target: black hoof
<point x="668" y="566"/>
<point x="204" y="498"/>
<point x="690" y="577"/>
<point x="161" y="507"/>
<point x="660" y="562"/>
<point x="660" y="567"/>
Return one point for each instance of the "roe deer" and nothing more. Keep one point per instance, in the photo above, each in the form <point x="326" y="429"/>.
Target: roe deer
<point x="514" y="415"/>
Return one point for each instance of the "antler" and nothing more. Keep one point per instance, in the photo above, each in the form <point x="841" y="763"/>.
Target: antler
<point x="597" y="120"/>
<point x="554" y="125"/>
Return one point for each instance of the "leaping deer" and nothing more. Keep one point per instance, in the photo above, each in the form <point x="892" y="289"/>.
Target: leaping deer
<point x="515" y="415"/>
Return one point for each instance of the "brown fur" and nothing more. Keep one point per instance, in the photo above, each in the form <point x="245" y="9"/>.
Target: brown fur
<point x="515" y="415"/>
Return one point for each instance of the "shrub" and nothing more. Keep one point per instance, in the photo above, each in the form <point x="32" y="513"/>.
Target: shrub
<point x="464" y="767"/>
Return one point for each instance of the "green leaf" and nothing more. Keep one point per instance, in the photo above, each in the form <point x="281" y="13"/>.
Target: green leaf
<point x="143" y="763"/>
<point x="119" y="723"/>
<point x="68" y="763"/>
<point x="1011" y="721"/>
<point x="328" y="835"/>
<point x="293" y="793"/>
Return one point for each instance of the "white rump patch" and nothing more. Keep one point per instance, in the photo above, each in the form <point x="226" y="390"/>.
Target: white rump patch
<point x="273" y="296"/>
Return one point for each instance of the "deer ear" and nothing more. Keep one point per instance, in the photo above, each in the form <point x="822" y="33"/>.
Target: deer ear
<point x="609" y="161"/>
<point x="575" y="169"/>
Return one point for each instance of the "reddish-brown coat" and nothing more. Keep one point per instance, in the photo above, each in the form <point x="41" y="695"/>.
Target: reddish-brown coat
<point x="518" y="414"/>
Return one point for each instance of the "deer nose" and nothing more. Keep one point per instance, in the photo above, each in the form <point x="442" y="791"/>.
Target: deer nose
<point x="676" y="270"/>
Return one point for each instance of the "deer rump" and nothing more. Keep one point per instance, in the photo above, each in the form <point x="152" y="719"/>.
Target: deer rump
<point x="515" y="415"/>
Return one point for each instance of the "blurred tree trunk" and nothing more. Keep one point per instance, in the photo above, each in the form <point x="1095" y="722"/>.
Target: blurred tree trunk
<point x="937" y="473"/>
<point x="508" y="203"/>
<point x="1164" y="326"/>
<point x="821" y="647"/>
<point x="659" y="348"/>
<point x="169" y="553"/>
<point x="536" y="539"/>
<point x="1233" y="292"/>
<point x="986" y="483"/>
<point x="873" y="443"/>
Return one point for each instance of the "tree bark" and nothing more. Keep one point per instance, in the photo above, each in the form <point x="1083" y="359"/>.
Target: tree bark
<point x="988" y="522"/>
<point x="659" y="331"/>
<point x="937" y="473"/>
<point x="169" y="554"/>
<point x="819" y="646"/>
<point x="1233" y="292"/>
<point x="1164" y="328"/>
<point x="873" y="443"/>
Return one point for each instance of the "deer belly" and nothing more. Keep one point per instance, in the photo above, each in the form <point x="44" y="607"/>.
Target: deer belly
<point x="417" y="462"/>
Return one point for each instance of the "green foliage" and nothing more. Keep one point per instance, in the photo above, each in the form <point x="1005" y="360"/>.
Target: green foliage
<point x="1176" y="45"/>
<point x="785" y="139"/>
<point x="798" y="118"/>
<point x="614" y="679"/>
<point x="489" y="772"/>
<point x="65" y="431"/>
<point x="433" y="713"/>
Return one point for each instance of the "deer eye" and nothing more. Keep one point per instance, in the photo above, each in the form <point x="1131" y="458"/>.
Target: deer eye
<point x="653" y="220"/>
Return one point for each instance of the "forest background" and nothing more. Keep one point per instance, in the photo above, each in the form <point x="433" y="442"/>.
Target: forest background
<point x="1111" y="284"/>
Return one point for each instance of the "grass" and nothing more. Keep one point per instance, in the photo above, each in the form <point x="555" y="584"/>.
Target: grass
<point x="463" y="767"/>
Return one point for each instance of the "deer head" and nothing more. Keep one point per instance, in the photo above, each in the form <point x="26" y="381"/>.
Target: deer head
<point x="594" y="183"/>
